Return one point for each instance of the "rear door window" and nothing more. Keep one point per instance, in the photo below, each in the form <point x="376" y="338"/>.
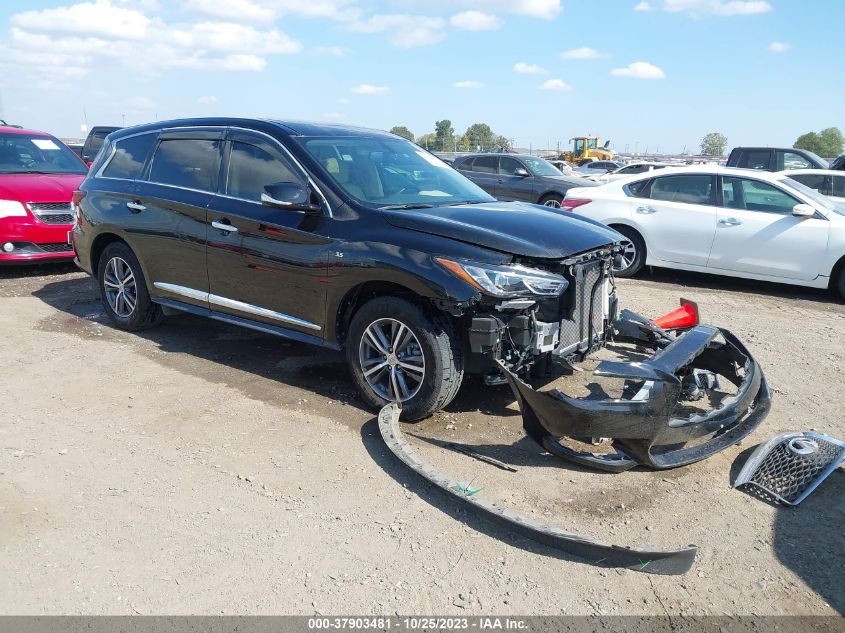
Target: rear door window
<point x="129" y="157"/>
<point x="838" y="186"/>
<point x="688" y="189"/>
<point x="189" y="163"/>
<point x="485" y="164"/>
<point x="755" y="159"/>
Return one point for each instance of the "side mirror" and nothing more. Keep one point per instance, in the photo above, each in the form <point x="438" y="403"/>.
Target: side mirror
<point x="522" y="173"/>
<point x="288" y="195"/>
<point x="803" y="210"/>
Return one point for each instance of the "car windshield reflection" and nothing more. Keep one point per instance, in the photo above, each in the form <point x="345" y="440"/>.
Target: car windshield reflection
<point x="392" y="173"/>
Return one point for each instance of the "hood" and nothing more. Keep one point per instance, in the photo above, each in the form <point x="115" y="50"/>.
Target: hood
<point x="518" y="228"/>
<point x="39" y="187"/>
<point x="565" y="180"/>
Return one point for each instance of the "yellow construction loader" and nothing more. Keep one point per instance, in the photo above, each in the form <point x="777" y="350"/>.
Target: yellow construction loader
<point x="585" y="149"/>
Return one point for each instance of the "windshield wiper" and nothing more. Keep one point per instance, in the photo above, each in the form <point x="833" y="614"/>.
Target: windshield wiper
<point x="410" y="205"/>
<point x="456" y="202"/>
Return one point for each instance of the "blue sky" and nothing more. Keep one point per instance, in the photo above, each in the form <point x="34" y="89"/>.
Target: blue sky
<point x="660" y="73"/>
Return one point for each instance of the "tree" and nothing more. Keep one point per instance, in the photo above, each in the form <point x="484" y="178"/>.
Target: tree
<point x="809" y="141"/>
<point x="444" y="135"/>
<point x="828" y="142"/>
<point x="428" y="141"/>
<point x="480" y="136"/>
<point x="714" y="144"/>
<point x="401" y="130"/>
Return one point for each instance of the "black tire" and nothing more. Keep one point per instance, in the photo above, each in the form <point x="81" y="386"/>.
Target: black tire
<point x="552" y="200"/>
<point x="636" y="259"/>
<point x="840" y="283"/>
<point x="440" y="346"/>
<point x="144" y="314"/>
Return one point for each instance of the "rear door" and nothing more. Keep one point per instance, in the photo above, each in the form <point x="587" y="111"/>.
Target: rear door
<point x="484" y="172"/>
<point x="170" y="222"/>
<point x="509" y="186"/>
<point x="757" y="233"/>
<point x="265" y="263"/>
<point x="677" y="217"/>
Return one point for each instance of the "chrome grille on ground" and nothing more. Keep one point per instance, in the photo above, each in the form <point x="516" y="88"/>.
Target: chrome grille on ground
<point x="52" y="212"/>
<point x="56" y="247"/>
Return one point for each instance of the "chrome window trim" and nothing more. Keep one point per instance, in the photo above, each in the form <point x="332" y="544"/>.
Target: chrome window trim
<point x="241" y="306"/>
<point x="272" y="139"/>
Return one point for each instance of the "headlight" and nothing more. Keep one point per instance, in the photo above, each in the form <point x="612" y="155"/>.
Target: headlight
<point x="506" y="281"/>
<point x="11" y="208"/>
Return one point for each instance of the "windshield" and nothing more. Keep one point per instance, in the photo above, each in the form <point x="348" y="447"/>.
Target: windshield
<point x="30" y="154"/>
<point x="821" y="161"/>
<point x="815" y="196"/>
<point x="541" y="167"/>
<point x="386" y="172"/>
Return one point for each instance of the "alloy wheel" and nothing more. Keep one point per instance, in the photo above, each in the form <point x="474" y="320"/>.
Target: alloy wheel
<point x="119" y="287"/>
<point x="625" y="259"/>
<point x="552" y="203"/>
<point x="392" y="360"/>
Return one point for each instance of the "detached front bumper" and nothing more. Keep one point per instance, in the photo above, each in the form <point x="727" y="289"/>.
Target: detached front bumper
<point x="645" y="429"/>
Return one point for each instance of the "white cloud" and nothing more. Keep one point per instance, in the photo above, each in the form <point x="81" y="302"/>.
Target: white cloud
<point x="100" y="18"/>
<point x="779" y="47"/>
<point x="467" y="84"/>
<point x="332" y="51"/>
<point x="643" y="7"/>
<point x="406" y="31"/>
<point x="585" y="52"/>
<point x="557" y="85"/>
<point x="639" y="70"/>
<point x="717" y="7"/>
<point x="234" y="10"/>
<point x="265" y="11"/>
<point x="529" y="69"/>
<point x="343" y="100"/>
<point x="369" y="89"/>
<point x="70" y="40"/>
<point x="545" y="9"/>
<point x="207" y="100"/>
<point x="475" y="21"/>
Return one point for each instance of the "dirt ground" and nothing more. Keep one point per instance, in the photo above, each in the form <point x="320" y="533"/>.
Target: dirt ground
<point x="202" y="469"/>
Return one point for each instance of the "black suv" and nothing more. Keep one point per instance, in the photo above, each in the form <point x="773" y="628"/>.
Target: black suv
<point x="346" y="238"/>
<point x="774" y="158"/>
<point x="519" y="177"/>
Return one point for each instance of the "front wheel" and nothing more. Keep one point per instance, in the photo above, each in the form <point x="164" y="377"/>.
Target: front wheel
<point x="632" y="258"/>
<point x="399" y="353"/>
<point x="840" y="283"/>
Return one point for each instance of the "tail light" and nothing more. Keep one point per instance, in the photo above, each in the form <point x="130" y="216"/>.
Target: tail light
<point x="75" y="207"/>
<point x="570" y="204"/>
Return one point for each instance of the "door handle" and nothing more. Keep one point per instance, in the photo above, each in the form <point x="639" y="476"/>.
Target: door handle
<point x="646" y="210"/>
<point x="135" y="207"/>
<point x="730" y="222"/>
<point x="224" y="226"/>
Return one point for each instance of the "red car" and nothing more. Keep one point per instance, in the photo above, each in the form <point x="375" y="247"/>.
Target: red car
<point x="38" y="175"/>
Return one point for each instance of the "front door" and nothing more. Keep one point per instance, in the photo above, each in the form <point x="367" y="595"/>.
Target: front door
<point x="757" y="233"/>
<point x="509" y="186"/>
<point x="265" y="263"/>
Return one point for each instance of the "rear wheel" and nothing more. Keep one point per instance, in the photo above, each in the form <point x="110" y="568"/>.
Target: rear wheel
<point x="840" y="283"/>
<point x="399" y="353"/>
<point x="123" y="290"/>
<point x="553" y="200"/>
<point x="632" y="259"/>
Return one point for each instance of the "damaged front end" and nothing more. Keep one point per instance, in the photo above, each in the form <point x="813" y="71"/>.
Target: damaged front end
<point x="648" y="426"/>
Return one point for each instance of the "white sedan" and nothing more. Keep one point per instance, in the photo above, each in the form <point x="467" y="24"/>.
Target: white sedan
<point x="734" y="222"/>
<point x="825" y="181"/>
<point x="631" y="169"/>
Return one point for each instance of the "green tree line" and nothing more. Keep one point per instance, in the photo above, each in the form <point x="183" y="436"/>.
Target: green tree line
<point x="478" y="136"/>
